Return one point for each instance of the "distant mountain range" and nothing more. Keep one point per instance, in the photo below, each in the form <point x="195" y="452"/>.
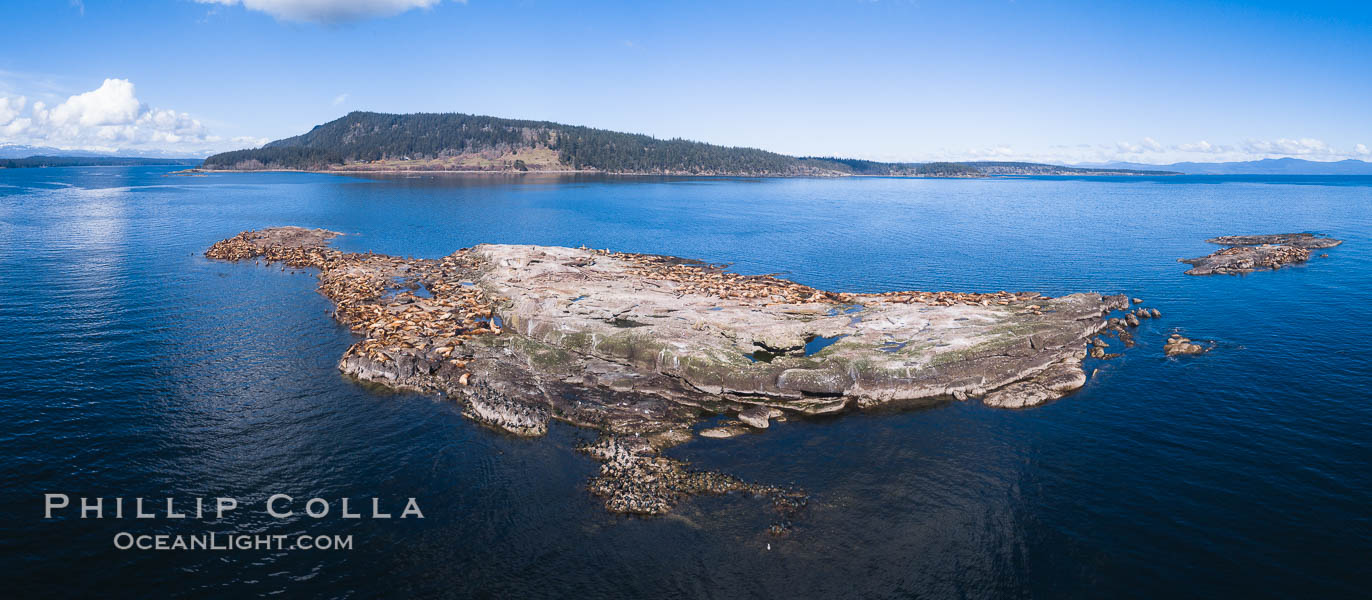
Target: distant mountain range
<point x="26" y="151"/>
<point x="22" y="151"/>
<point x="94" y="161"/>
<point x="1266" y="166"/>
<point x="365" y="141"/>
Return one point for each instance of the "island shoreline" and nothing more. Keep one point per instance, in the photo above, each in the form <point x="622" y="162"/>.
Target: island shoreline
<point x="645" y="349"/>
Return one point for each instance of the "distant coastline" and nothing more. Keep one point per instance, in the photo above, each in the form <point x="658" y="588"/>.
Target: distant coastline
<point x="94" y="161"/>
<point x="422" y="171"/>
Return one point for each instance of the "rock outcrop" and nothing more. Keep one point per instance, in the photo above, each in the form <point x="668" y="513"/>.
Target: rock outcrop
<point x="1178" y="345"/>
<point x="1051" y="383"/>
<point x="645" y="348"/>
<point x="635" y="479"/>
<point x="1248" y="253"/>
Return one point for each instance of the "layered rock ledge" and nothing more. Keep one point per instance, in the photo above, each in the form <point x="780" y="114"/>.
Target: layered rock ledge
<point x="643" y="348"/>
<point x="1248" y="253"/>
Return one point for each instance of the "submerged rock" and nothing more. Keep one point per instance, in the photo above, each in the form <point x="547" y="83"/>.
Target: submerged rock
<point x="723" y="431"/>
<point x="635" y="479"/>
<point x="648" y="346"/>
<point x="1248" y="253"/>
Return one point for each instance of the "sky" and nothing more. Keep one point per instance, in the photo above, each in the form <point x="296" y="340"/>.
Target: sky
<point x="897" y="80"/>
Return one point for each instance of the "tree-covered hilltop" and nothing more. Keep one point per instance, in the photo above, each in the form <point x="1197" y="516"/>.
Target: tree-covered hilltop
<point x="460" y="142"/>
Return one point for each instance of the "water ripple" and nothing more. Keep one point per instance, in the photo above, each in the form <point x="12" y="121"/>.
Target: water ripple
<point x="130" y="366"/>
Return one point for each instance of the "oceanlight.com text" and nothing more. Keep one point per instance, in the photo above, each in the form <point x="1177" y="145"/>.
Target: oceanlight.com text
<point x="216" y="541"/>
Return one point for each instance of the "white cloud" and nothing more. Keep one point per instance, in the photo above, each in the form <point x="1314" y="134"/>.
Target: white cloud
<point x="109" y="118"/>
<point x="1202" y="147"/>
<point x="1150" y="151"/>
<point x="10" y="109"/>
<point x="339" y="99"/>
<point x="113" y="103"/>
<point x="327" y="11"/>
<point x="1147" y="145"/>
<point x="994" y="152"/>
<point x="16" y="127"/>
<point x="1285" y="147"/>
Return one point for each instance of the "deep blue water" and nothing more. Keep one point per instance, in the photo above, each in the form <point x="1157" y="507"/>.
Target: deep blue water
<point x="131" y="366"/>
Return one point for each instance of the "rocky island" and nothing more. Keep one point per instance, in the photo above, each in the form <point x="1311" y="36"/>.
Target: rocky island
<point x="644" y="348"/>
<point x="1248" y="253"/>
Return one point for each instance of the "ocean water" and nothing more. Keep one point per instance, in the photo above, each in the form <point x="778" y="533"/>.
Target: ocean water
<point x="130" y="366"/>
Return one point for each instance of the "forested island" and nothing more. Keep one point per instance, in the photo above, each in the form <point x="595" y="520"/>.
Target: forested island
<point x="367" y="141"/>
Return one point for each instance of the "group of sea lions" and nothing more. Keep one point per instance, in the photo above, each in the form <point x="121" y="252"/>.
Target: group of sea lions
<point x="435" y="325"/>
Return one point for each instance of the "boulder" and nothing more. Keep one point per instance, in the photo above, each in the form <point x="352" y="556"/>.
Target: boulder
<point x="1180" y="346"/>
<point x="756" y="416"/>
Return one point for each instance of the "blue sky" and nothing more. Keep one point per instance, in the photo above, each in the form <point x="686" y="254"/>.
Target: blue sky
<point x="889" y="80"/>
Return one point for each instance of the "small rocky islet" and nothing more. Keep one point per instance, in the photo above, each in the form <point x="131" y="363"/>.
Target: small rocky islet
<point x="644" y="349"/>
<point x="1248" y="253"/>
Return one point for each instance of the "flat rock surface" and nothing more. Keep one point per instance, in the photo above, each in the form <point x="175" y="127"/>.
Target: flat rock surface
<point x="650" y="346"/>
<point x="1248" y="253"/>
<point x="1301" y="240"/>
<point x="746" y="339"/>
